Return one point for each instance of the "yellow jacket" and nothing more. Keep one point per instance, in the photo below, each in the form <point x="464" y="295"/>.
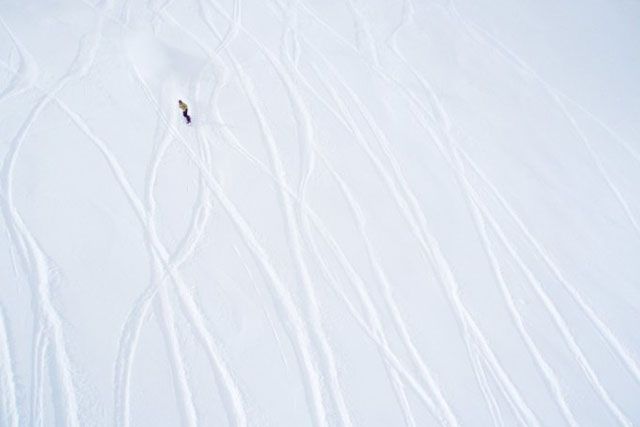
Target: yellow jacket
<point x="182" y="106"/>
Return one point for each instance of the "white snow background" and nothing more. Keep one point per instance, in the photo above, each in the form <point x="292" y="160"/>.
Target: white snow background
<point x="385" y="213"/>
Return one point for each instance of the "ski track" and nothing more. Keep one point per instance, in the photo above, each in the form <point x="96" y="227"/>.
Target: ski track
<point x="483" y="37"/>
<point x="407" y="18"/>
<point x="388" y="354"/>
<point x="402" y="204"/>
<point x="485" y="388"/>
<point x="452" y="159"/>
<point x="127" y="345"/>
<point x="164" y="307"/>
<point x="140" y="312"/>
<point x="230" y="393"/>
<point x="554" y="312"/>
<point x="318" y="223"/>
<point x="608" y="335"/>
<point x="273" y="61"/>
<point x="23" y="79"/>
<point x="616" y="137"/>
<point x="367" y="301"/>
<point x="280" y="294"/>
<point x="318" y="335"/>
<point x="184" y="249"/>
<point x="551" y="378"/>
<point x="543" y="366"/>
<point x="407" y="414"/>
<point x="309" y="137"/>
<point x="272" y="324"/>
<point x="438" y="263"/>
<point x="313" y="384"/>
<point x="508" y="386"/>
<point x="37" y="398"/>
<point x="373" y="335"/>
<point x="390" y="302"/>
<point x="261" y="258"/>
<point x="255" y="161"/>
<point x="560" y="322"/>
<point x="293" y="59"/>
<point x="35" y="260"/>
<point x="123" y="369"/>
<point x="443" y="117"/>
<point x="10" y="414"/>
<point x="293" y="221"/>
<point x="296" y="245"/>
<point x="14" y="241"/>
<point x="166" y="319"/>
<point x="303" y="323"/>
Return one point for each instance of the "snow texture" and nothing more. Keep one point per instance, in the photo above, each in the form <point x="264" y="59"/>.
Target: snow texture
<point x="384" y="213"/>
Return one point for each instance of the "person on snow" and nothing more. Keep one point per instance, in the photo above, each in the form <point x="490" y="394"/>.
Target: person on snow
<point x="185" y="110"/>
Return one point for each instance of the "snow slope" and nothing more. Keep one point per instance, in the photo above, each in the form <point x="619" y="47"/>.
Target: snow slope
<point x="384" y="213"/>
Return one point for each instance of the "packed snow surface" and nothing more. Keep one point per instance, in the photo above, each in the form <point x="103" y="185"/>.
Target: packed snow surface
<point x="384" y="213"/>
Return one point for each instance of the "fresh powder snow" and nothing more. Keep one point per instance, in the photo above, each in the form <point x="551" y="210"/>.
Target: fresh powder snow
<point x="383" y="213"/>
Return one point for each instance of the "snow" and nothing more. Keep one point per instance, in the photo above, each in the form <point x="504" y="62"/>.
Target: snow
<point x="384" y="213"/>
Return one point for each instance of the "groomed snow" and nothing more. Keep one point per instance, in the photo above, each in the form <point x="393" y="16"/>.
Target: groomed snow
<point x="385" y="213"/>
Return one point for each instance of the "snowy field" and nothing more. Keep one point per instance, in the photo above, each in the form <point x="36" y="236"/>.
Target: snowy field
<point x="384" y="213"/>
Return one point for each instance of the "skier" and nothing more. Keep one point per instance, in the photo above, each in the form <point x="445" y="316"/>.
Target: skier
<point x="185" y="110"/>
